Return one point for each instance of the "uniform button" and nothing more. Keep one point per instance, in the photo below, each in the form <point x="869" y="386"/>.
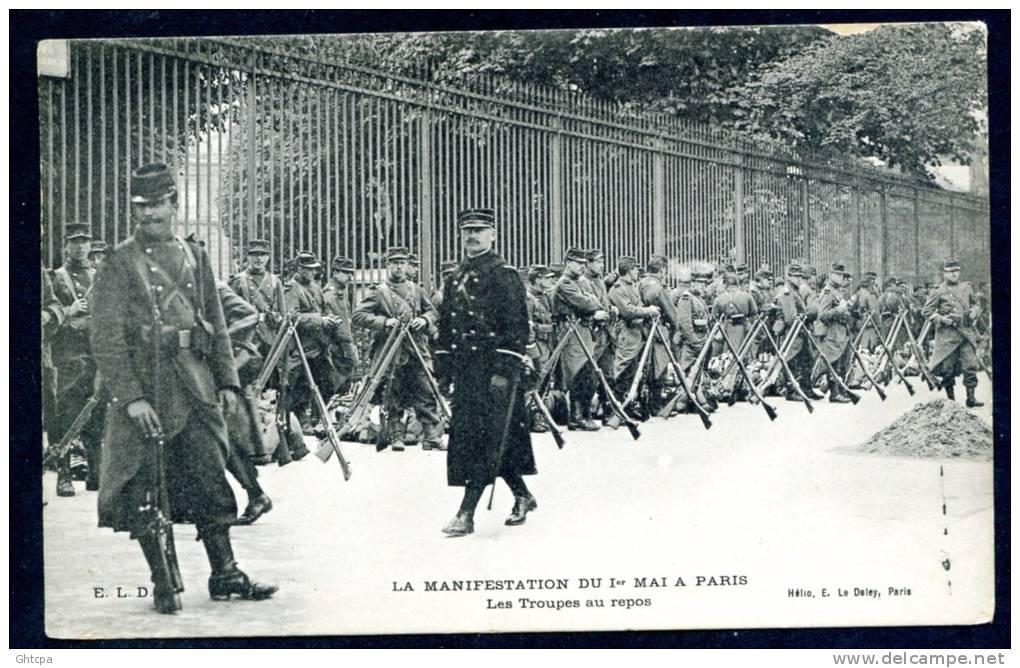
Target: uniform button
<point x="453" y="346"/>
<point x="152" y="269"/>
<point x="474" y="348"/>
<point x="473" y="331"/>
<point x="159" y="288"/>
<point x="149" y="251"/>
<point x="471" y="312"/>
<point x="189" y="285"/>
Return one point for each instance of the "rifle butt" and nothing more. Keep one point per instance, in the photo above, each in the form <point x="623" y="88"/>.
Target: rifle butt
<point x="324" y="452"/>
<point x="635" y="433"/>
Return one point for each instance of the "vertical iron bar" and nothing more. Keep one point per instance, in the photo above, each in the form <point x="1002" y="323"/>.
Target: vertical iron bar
<point x="917" y="236"/>
<point x="115" y="109"/>
<point x="249" y="221"/>
<point x="76" y="68"/>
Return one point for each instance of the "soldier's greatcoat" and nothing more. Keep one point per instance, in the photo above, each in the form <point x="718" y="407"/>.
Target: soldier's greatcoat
<point x="264" y="291"/>
<point x="343" y="350"/>
<point x="832" y="324"/>
<point x="791" y="305"/>
<point x="572" y="300"/>
<point x="175" y="276"/>
<point x="692" y="325"/>
<point x="735" y="307"/>
<point x="631" y="330"/>
<point x="483" y="332"/>
<point x="865" y="300"/>
<point x="889" y="306"/>
<point x="956" y="302"/>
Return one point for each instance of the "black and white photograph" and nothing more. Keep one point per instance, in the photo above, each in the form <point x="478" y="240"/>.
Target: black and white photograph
<point x="500" y="331"/>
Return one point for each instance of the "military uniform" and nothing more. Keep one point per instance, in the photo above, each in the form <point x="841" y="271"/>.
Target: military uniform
<point x="573" y="301"/>
<point x="692" y="324"/>
<point x="602" y="332"/>
<point x="408" y="385"/>
<point x="890" y="304"/>
<point x="342" y="351"/>
<point x="52" y="314"/>
<point x="955" y="310"/>
<point x="790" y="306"/>
<point x="156" y="294"/>
<point x="735" y="307"/>
<point x="76" y="370"/>
<point x="832" y="328"/>
<point x="307" y="306"/>
<point x="483" y="331"/>
<point x="865" y="301"/>
<point x="265" y="291"/>
<point x="631" y="329"/>
<point x="653" y="293"/>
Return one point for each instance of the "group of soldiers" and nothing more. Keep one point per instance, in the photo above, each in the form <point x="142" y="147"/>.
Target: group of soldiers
<point x="151" y="349"/>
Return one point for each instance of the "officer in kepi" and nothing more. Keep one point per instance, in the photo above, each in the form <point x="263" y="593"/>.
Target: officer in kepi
<point x="483" y="335"/>
<point x="162" y="348"/>
<point x="955" y="311"/>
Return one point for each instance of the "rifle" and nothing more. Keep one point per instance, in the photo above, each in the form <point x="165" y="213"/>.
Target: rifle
<point x="702" y="413"/>
<point x="864" y="367"/>
<point x="331" y="439"/>
<point x="922" y="364"/>
<point x="433" y="385"/>
<point x="696" y="370"/>
<point x="894" y="332"/>
<point x="728" y="378"/>
<point x="781" y="357"/>
<point x="638" y="377"/>
<point x="828" y="365"/>
<point x="632" y="426"/>
<point x="769" y="409"/>
<point x="887" y="352"/>
<point x="557" y="435"/>
<point x="57" y="451"/>
<point x="156" y="526"/>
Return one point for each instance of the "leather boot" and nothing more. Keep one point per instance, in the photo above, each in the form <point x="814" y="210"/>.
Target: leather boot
<point x="257" y="507"/>
<point x="227" y="579"/>
<point x="950" y="387"/>
<point x="836" y="395"/>
<point x="522" y="506"/>
<point x="810" y="392"/>
<point x="587" y="424"/>
<point x="432" y="437"/>
<point x="64" y="485"/>
<point x="461" y="525"/>
<point x="972" y="401"/>
<point x="166" y="601"/>
<point x="574" y="416"/>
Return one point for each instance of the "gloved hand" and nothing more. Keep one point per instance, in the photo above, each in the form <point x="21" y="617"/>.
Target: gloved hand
<point x="391" y="323"/>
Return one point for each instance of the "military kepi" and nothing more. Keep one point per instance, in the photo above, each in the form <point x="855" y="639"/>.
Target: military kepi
<point x="258" y="246"/>
<point x="950" y="265"/>
<point x="307" y="260"/>
<point x="396" y="253"/>
<point x="97" y="247"/>
<point x="77" y="231"/>
<point x="476" y="218"/>
<point x="341" y="263"/>
<point x="575" y="255"/>
<point x="152" y="183"/>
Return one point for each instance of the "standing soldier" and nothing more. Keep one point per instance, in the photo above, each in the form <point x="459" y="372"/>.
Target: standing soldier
<point x="342" y="351"/>
<point x="97" y="253"/>
<point x="52" y="315"/>
<point x="393" y="303"/>
<point x="262" y="289"/>
<point x="593" y="281"/>
<point x="790" y="306"/>
<point x="761" y="288"/>
<point x="572" y="302"/>
<point x="539" y="284"/>
<point x="483" y="330"/>
<point x="808" y="283"/>
<point x="954" y="310"/>
<point x="889" y="306"/>
<point x="632" y="331"/>
<point x="734" y="306"/>
<point x="865" y="301"/>
<point x="76" y="369"/>
<point x="832" y="327"/>
<point x="164" y="354"/>
<point x="692" y="318"/>
<point x="413" y="268"/>
<point x="653" y="293"/>
<point x="307" y="307"/>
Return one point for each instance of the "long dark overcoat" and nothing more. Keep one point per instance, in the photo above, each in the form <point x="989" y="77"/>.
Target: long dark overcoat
<point x="483" y="332"/>
<point x="955" y="301"/>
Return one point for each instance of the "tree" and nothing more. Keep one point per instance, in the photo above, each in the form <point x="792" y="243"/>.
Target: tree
<point x="907" y="95"/>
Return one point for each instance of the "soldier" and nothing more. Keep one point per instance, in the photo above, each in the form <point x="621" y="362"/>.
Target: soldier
<point x="890" y="303"/>
<point x="832" y="327"/>
<point x="413" y="268"/>
<point x="483" y="330"/>
<point x="174" y="397"/>
<point x="734" y="306"/>
<point x="342" y="351"/>
<point x="243" y="429"/>
<point x="790" y="306"/>
<point x="262" y="289"/>
<point x="307" y="307"/>
<point x="692" y="319"/>
<point x="76" y="369"/>
<point x="97" y="253"/>
<point x="593" y="281"/>
<point x="761" y="288"/>
<point x="446" y="270"/>
<point x="570" y="302"/>
<point x="653" y="293"/>
<point x="808" y="284"/>
<point x="743" y="276"/>
<point x="540" y="308"/>
<point x="631" y="333"/>
<point x="389" y="304"/>
<point x="52" y="315"/>
<point x="954" y="310"/>
<point x="865" y="301"/>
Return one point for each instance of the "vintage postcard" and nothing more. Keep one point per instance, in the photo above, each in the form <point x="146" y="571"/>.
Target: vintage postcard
<point x="516" y="331"/>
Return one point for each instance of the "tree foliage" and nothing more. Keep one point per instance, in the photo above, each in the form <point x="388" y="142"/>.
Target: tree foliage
<point x="908" y="95"/>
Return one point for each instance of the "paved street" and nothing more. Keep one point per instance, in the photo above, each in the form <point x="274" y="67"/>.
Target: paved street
<point x="770" y="507"/>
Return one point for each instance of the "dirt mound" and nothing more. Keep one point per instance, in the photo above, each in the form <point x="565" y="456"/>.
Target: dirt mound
<point x="937" y="429"/>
